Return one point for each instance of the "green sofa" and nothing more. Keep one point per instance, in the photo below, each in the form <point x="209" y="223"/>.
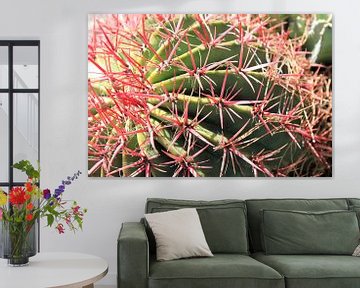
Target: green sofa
<point x="233" y="230"/>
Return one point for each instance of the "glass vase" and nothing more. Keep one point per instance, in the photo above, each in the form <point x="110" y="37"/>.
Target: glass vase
<point x="18" y="242"/>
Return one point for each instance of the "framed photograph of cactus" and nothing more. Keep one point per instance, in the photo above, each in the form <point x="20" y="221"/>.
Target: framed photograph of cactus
<point x="210" y="95"/>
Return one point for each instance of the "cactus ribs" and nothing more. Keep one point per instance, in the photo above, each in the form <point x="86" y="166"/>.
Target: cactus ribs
<point x="210" y="95"/>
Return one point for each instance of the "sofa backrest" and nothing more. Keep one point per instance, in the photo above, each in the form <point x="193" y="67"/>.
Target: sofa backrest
<point x="255" y="206"/>
<point x="353" y="202"/>
<point x="354" y="205"/>
<point x="223" y="221"/>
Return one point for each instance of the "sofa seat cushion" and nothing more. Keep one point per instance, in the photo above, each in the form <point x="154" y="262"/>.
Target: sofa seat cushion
<point x="314" y="271"/>
<point x="222" y="270"/>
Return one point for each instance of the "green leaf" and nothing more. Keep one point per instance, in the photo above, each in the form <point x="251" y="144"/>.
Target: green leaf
<point x="52" y="211"/>
<point x="50" y="219"/>
<point x="26" y="167"/>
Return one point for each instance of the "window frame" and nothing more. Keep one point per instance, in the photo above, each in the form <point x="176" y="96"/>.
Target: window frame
<point x="10" y="91"/>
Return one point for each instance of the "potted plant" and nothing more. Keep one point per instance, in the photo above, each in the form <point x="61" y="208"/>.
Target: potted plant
<point x="21" y="208"/>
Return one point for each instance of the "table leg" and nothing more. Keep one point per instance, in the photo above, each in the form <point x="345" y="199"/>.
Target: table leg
<point x="89" y="286"/>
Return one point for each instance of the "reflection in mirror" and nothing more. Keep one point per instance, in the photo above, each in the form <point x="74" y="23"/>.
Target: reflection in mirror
<point x="4" y="67"/>
<point x="26" y="74"/>
<point x="4" y="137"/>
<point x="26" y="130"/>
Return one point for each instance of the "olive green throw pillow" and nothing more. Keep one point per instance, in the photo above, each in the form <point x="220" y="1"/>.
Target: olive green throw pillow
<point x="298" y="232"/>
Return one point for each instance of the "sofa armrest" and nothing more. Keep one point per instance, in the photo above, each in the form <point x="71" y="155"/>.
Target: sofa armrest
<point x="133" y="256"/>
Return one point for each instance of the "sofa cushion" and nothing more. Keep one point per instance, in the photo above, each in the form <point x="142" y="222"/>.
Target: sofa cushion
<point x="178" y="234"/>
<point x="255" y="206"/>
<point x="354" y="205"/>
<point x="353" y="201"/>
<point x="223" y="221"/>
<point x="297" y="232"/>
<point x="356" y="209"/>
<point x="314" y="271"/>
<point x="357" y="251"/>
<point x="222" y="270"/>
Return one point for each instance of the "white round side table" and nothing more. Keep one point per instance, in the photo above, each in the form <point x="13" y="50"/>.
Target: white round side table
<point x="54" y="270"/>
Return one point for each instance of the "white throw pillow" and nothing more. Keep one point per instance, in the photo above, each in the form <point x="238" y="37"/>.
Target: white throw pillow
<point x="357" y="251"/>
<point x="178" y="234"/>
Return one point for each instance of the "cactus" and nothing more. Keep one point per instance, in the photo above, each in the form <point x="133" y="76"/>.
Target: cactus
<point x="315" y="31"/>
<point x="203" y="96"/>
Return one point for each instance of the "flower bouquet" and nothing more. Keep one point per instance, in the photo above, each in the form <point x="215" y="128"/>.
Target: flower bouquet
<point x="21" y="208"/>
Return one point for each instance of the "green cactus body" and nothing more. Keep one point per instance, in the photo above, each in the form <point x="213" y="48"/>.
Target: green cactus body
<point x="319" y="39"/>
<point x="317" y="32"/>
<point x="205" y="103"/>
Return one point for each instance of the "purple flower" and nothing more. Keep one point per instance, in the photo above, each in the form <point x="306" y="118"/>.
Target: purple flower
<point x="58" y="192"/>
<point x="46" y="194"/>
<point x="68" y="181"/>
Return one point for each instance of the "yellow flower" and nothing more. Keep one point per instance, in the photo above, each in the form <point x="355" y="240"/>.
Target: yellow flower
<point x="3" y="198"/>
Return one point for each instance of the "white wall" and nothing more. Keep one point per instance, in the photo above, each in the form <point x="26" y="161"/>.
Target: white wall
<point x="62" y="28"/>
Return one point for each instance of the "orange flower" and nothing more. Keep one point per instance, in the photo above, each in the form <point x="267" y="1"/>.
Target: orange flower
<point x="29" y="187"/>
<point x="29" y="206"/>
<point x="27" y="196"/>
<point x="29" y="217"/>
